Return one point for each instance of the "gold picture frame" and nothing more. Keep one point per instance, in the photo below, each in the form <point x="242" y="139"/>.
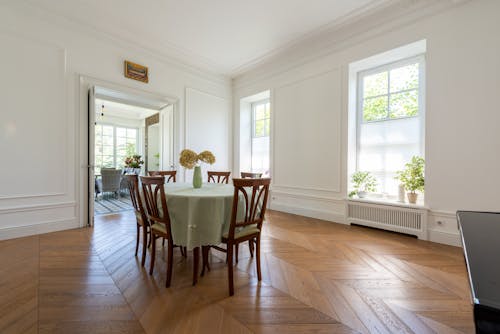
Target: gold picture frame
<point x="136" y="72"/>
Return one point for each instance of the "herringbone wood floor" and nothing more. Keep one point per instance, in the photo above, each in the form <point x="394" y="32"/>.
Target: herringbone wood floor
<point x="318" y="277"/>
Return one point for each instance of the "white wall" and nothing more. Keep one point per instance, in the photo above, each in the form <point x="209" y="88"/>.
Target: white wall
<point x="310" y="101"/>
<point x="43" y="112"/>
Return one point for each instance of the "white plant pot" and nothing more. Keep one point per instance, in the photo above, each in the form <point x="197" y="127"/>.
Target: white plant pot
<point x="362" y="194"/>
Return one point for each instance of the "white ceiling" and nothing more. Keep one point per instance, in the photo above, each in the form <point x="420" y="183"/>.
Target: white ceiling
<point x="225" y="36"/>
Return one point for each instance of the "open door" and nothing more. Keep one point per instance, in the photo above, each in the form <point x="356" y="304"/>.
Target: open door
<point x="91" y="156"/>
<point x="166" y="137"/>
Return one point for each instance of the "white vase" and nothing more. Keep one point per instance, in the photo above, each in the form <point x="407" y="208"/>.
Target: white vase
<point x="401" y="193"/>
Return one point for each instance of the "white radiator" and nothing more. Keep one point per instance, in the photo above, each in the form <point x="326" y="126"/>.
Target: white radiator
<point x="395" y="218"/>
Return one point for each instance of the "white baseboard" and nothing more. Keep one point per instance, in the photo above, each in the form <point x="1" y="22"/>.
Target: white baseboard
<point x="312" y="213"/>
<point x="447" y="238"/>
<point x="39" y="228"/>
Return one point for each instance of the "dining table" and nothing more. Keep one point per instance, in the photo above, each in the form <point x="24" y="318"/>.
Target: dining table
<point x="199" y="216"/>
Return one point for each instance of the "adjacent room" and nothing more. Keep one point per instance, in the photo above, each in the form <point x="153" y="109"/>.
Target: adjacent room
<point x="280" y="166"/>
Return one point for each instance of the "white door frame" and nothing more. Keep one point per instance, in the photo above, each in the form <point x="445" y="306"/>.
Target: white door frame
<point x="83" y="153"/>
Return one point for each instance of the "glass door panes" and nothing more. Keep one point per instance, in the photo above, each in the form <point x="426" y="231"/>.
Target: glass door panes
<point x="113" y="145"/>
<point x="104" y="147"/>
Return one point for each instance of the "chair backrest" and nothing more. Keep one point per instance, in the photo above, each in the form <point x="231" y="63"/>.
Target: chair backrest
<point x="130" y="170"/>
<point x="254" y="193"/>
<point x="154" y="194"/>
<point x="218" y="177"/>
<point x="250" y="175"/>
<point x="135" y="196"/>
<point x="170" y="173"/>
<point x="111" y="179"/>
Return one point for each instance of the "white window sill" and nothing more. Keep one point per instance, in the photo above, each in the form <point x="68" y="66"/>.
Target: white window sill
<point x="388" y="201"/>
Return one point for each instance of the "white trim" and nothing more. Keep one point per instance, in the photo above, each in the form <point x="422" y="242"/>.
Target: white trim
<point x="27" y="208"/>
<point x="447" y="238"/>
<point x="376" y="23"/>
<point x="198" y="65"/>
<point x="39" y="228"/>
<point x="307" y="196"/>
<point x="331" y="216"/>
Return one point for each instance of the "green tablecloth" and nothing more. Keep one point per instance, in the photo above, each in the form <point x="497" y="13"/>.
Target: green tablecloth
<point x="199" y="216"/>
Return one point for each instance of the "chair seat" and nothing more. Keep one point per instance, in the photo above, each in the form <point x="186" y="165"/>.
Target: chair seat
<point x="160" y="228"/>
<point x="245" y="231"/>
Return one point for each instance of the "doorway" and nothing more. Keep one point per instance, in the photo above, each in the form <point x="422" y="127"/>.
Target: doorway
<point x="127" y="133"/>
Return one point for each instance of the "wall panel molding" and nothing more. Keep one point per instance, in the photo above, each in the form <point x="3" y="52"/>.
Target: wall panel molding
<point x="27" y="208"/>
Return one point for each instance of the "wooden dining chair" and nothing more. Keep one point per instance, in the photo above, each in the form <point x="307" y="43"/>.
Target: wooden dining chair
<point x="218" y="177"/>
<point x="154" y="193"/>
<point x="245" y="175"/>
<point x="254" y="193"/>
<point x="141" y="216"/>
<point x="168" y="174"/>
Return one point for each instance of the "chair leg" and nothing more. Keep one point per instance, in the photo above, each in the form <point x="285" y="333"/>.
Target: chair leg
<point x="196" y="262"/>
<point x="163" y="242"/>
<point x="230" y="268"/>
<point x="144" y="244"/>
<point x="150" y="237"/>
<point x="250" y="247"/>
<point x="137" y="240"/>
<point x="153" y="254"/>
<point x="257" y="255"/>
<point x="170" y="261"/>
<point x="236" y="252"/>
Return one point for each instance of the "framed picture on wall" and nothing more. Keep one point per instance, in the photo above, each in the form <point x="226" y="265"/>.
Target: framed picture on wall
<point x="136" y="71"/>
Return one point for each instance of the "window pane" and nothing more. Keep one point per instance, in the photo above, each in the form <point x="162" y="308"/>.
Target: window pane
<point x="98" y="130"/>
<point x="375" y="108"/>
<point x="121" y="141"/>
<point x="260" y="111"/>
<point x="267" y="127"/>
<point x="404" y="104"/>
<point x="106" y="140"/>
<point x="121" y="132"/>
<point x="107" y="130"/>
<point x="107" y="161"/>
<point x="107" y="150"/>
<point x="268" y="110"/>
<point x="132" y="133"/>
<point x="130" y="149"/>
<point x="403" y="78"/>
<point x="259" y="128"/>
<point x="375" y="84"/>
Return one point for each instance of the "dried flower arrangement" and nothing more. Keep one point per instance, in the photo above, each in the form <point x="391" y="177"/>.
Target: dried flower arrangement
<point x="189" y="159"/>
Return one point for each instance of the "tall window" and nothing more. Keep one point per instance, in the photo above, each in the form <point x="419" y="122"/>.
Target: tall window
<point x="390" y="125"/>
<point x="261" y="122"/>
<point x="113" y="144"/>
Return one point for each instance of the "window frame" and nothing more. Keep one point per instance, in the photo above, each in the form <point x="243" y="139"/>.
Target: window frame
<point x="420" y="59"/>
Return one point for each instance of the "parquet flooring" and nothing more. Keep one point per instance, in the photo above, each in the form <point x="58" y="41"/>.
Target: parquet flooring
<point x="318" y="277"/>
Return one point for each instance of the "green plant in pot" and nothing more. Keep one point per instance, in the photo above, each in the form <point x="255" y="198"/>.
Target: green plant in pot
<point x="412" y="177"/>
<point x="362" y="182"/>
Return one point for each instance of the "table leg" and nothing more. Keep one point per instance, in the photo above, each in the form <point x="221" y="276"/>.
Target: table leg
<point x="196" y="259"/>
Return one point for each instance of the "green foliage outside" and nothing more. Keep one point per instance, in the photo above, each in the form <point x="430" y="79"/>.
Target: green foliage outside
<point x="412" y="177"/>
<point x="391" y="94"/>
<point x="363" y="181"/>
<point x="130" y="150"/>
<point x="157" y="156"/>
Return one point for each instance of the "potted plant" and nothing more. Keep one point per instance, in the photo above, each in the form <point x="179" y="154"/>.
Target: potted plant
<point x="133" y="164"/>
<point x="362" y="182"/>
<point x="412" y="177"/>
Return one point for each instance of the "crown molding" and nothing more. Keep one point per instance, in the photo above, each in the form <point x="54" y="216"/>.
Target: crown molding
<point x="385" y="17"/>
<point x="177" y="57"/>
